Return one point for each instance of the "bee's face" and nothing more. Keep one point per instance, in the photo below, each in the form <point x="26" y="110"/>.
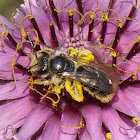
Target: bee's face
<point x="75" y="76"/>
<point x="44" y="64"/>
<point x="39" y="65"/>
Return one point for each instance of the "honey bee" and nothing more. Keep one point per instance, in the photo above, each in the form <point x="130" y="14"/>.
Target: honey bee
<point x="98" y="79"/>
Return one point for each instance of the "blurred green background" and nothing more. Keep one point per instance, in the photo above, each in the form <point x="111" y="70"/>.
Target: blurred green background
<point x="7" y="7"/>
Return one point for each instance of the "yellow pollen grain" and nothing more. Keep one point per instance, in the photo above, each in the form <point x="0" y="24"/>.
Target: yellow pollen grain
<point x="5" y="32"/>
<point x="108" y="136"/>
<point x="105" y="16"/>
<point x="135" y="120"/>
<point x="70" y="12"/>
<point x="134" y="75"/>
<point x="119" y="24"/>
<point x="138" y="39"/>
<point x="51" y="24"/>
<point x="92" y="15"/>
<point x="113" y="54"/>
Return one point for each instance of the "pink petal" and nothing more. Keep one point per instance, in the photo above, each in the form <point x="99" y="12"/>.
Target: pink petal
<point x="11" y="91"/>
<point x="136" y="58"/>
<point x="92" y="116"/>
<point x="133" y="94"/>
<point x="31" y="1"/>
<point x="66" y="136"/>
<point x="128" y="66"/>
<point x="18" y="108"/>
<point x="63" y="16"/>
<point x="42" y="21"/>
<point x="126" y="41"/>
<point x="133" y="133"/>
<point x="10" y="130"/>
<point x="7" y="22"/>
<point x="132" y="91"/>
<point x="8" y="75"/>
<point x="124" y="104"/>
<point x="19" y="16"/>
<point x="69" y="120"/>
<point x="24" y="61"/>
<point x="84" y="135"/>
<point x="52" y="129"/>
<point x="112" y="121"/>
<point x="35" y="119"/>
<point x="6" y="58"/>
<point x="119" y="6"/>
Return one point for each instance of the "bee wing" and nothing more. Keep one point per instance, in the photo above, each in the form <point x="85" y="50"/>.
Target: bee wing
<point x="91" y="78"/>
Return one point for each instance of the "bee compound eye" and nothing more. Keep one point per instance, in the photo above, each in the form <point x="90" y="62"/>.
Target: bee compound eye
<point x="61" y="64"/>
<point x="43" y="64"/>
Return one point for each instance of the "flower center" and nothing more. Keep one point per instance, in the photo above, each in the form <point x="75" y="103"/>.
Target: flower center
<point x="75" y="42"/>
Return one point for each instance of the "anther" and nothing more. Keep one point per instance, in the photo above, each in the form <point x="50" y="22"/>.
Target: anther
<point x="117" y="36"/>
<point x="136" y="51"/>
<point x="2" y="102"/>
<point x="3" y="81"/>
<point x="133" y="119"/>
<point x="114" y="60"/>
<point x="53" y="35"/>
<point x="80" y="6"/>
<point x="126" y="82"/>
<point x="104" y="26"/>
<point x="110" y="6"/>
<point x="125" y="25"/>
<point x="17" y="65"/>
<point x="12" y="39"/>
<point x="90" y="30"/>
<point x="77" y="138"/>
<point x="70" y="13"/>
<point x="125" y="115"/>
<point x="134" y="82"/>
<point x="120" y="30"/>
<point x="54" y="12"/>
<point x="132" y="51"/>
<point x="38" y="30"/>
<point x="15" y="44"/>
<point x="107" y="132"/>
<point x="37" y="47"/>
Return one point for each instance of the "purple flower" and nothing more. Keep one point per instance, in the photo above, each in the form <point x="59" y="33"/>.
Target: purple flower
<point x="70" y="70"/>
